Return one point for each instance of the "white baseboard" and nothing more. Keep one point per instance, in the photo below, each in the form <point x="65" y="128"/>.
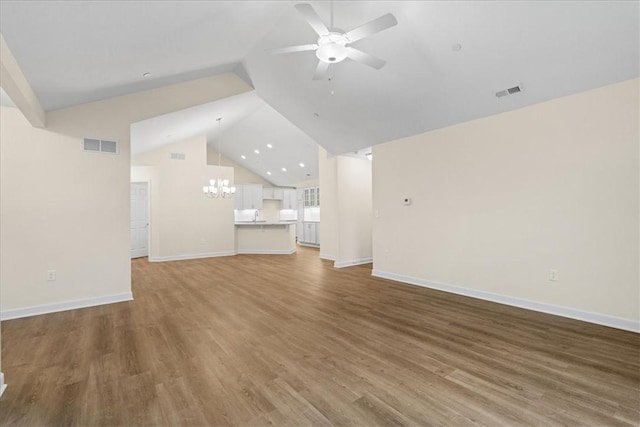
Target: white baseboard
<point x="266" y="251"/>
<point x="3" y="386"/>
<point x="189" y="256"/>
<point x="17" y="313"/>
<point x="342" y="264"/>
<point x="328" y="257"/>
<point x="572" y="313"/>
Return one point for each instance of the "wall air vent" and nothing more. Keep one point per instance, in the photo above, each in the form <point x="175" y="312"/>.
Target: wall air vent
<point x="99" y="146"/>
<point x="178" y="156"/>
<point x="510" y="91"/>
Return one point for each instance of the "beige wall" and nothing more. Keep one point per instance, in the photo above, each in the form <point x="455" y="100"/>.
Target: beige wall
<point x="354" y="210"/>
<point x="308" y="183"/>
<point x="68" y="210"/>
<point x="184" y="223"/>
<point x="500" y="201"/>
<point x="328" y="178"/>
<point x="62" y="209"/>
<point x="346" y="193"/>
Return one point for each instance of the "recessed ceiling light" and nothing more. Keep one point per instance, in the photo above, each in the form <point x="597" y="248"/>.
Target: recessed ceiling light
<point x="284" y="169"/>
<point x="456" y="47"/>
<point x="146" y="75"/>
<point x="269" y="146"/>
<point x="268" y="173"/>
<point x="301" y="165"/>
<point x="243" y="157"/>
<point x="256" y="151"/>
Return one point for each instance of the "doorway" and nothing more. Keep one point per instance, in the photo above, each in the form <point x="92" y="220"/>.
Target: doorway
<point x="139" y="219"/>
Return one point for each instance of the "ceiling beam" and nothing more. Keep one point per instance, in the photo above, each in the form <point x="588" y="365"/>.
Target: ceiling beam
<point x="15" y="84"/>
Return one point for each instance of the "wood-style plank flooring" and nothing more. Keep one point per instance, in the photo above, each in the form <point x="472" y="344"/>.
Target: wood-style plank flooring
<point x="289" y="341"/>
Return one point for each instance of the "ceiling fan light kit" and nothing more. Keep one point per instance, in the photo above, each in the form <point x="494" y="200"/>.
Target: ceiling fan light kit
<point x="332" y="48"/>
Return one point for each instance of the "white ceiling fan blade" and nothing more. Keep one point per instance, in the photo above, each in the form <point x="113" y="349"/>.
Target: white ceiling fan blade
<point x="312" y="18"/>
<point x="372" y="27"/>
<point x="291" y="49"/>
<point x="322" y="71"/>
<point x="365" y="58"/>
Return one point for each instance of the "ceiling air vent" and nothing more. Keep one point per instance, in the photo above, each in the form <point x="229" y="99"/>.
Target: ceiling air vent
<point x="510" y="91"/>
<point x="178" y="156"/>
<point x="99" y="146"/>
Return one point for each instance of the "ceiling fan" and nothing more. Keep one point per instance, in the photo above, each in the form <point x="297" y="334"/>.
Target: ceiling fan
<point x="332" y="46"/>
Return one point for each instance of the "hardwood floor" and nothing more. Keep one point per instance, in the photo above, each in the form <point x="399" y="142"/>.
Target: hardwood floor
<point x="288" y="341"/>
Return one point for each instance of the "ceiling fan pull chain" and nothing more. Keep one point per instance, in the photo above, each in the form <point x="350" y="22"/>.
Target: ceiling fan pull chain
<point x="331" y="90"/>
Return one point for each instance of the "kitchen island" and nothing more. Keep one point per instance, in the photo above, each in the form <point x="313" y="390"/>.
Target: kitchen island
<point x="262" y="237"/>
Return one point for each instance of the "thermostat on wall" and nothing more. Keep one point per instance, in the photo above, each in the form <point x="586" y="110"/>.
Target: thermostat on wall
<point x="406" y="201"/>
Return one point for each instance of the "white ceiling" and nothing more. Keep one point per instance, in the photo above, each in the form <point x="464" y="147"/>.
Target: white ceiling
<point x="5" y="100"/>
<point x="199" y="120"/>
<point x="248" y="124"/>
<point x="74" y="52"/>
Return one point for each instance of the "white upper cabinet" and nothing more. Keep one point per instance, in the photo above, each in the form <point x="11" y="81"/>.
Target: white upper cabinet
<point x="248" y="196"/>
<point x="311" y="197"/>
<point x="273" y="193"/>
<point x="289" y="199"/>
<point x="237" y="199"/>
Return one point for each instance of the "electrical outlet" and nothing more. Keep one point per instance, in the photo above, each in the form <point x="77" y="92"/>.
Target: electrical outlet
<point x="553" y="275"/>
<point x="51" y="275"/>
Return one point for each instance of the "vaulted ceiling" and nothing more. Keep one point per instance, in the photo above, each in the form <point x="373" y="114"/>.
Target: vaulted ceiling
<point x="445" y="61"/>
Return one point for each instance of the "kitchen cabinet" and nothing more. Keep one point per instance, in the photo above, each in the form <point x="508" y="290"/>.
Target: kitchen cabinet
<point x="237" y="198"/>
<point x="273" y="193"/>
<point x="248" y="196"/>
<point x="311" y="233"/>
<point x="311" y="197"/>
<point x="289" y="199"/>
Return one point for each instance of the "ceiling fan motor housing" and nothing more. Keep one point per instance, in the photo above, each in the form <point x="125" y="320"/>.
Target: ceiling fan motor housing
<point x="332" y="48"/>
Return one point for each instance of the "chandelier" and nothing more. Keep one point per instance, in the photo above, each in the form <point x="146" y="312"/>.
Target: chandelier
<point x="219" y="188"/>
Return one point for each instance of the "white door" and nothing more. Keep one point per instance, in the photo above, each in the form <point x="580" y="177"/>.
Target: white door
<point x="139" y="219"/>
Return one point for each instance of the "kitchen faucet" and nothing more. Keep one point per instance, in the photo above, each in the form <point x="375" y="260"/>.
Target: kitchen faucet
<point x="255" y="216"/>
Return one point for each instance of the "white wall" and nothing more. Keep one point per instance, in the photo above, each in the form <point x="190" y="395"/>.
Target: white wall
<point x="67" y="210"/>
<point x="184" y="223"/>
<point x="500" y="201"/>
<point x="346" y="203"/>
